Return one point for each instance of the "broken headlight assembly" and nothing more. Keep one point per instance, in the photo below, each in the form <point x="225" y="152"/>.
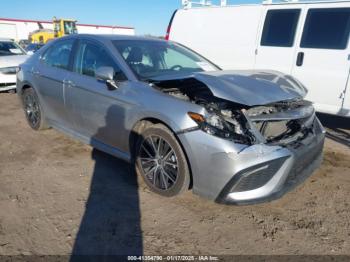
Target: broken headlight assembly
<point x="220" y="126"/>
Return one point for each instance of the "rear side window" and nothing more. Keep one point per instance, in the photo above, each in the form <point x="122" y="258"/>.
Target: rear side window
<point x="280" y="27"/>
<point x="59" y="54"/>
<point x="326" y="28"/>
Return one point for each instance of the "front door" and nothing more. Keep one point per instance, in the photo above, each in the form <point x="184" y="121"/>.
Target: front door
<point x="97" y="112"/>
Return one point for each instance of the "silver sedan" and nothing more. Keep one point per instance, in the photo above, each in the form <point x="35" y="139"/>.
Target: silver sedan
<point x="235" y="137"/>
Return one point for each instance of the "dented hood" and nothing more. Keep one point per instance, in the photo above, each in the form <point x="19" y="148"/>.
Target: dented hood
<point x="250" y="88"/>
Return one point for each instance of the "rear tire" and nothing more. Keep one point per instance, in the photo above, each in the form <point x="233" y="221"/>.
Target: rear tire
<point x="161" y="162"/>
<point x="32" y="109"/>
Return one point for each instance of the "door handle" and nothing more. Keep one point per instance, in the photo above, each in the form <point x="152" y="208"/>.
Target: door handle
<point x="71" y="83"/>
<point x="68" y="83"/>
<point x="300" y="59"/>
<point x="35" y="72"/>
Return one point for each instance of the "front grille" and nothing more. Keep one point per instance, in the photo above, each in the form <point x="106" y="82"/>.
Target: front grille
<point x="6" y="84"/>
<point x="284" y="126"/>
<point x="272" y="128"/>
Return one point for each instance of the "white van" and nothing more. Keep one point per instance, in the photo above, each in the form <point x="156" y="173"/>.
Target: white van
<point x="308" y="40"/>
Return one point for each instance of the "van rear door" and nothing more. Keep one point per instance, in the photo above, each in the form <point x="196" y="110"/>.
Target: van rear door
<point x="321" y="62"/>
<point x="227" y="36"/>
<point x="278" y="30"/>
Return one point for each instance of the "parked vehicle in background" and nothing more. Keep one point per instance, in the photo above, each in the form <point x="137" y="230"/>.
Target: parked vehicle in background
<point x="24" y="43"/>
<point x="11" y="56"/>
<point x="32" y="48"/>
<point x="233" y="136"/>
<point x="306" y="40"/>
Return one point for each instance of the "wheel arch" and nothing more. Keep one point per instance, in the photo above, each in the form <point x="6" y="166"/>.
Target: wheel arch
<point x="146" y="122"/>
<point x="24" y="85"/>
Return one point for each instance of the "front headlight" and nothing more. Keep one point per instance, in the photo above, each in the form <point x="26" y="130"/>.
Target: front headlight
<point x="8" y="70"/>
<point x="216" y="125"/>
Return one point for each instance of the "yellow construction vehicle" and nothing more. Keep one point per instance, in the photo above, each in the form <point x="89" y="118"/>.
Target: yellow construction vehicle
<point x="64" y="27"/>
<point x="61" y="27"/>
<point x="41" y="36"/>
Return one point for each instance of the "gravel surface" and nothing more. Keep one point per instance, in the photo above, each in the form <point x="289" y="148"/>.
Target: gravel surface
<point x="58" y="196"/>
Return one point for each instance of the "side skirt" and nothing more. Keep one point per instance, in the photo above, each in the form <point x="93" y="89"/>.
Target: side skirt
<point x="92" y="142"/>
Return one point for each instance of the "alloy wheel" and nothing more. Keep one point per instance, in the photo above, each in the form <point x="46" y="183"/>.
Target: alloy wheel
<point x="158" y="162"/>
<point x="32" y="110"/>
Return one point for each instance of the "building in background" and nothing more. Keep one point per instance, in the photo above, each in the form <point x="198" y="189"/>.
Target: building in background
<point x="20" y="29"/>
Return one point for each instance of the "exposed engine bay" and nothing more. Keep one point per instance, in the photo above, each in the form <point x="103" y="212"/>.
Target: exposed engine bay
<point x="280" y="123"/>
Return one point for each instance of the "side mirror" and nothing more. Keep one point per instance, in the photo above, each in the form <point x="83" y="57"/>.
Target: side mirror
<point x="106" y="73"/>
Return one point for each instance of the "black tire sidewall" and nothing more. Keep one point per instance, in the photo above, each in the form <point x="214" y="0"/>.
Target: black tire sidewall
<point x="31" y="92"/>
<point x="183" y="180"/>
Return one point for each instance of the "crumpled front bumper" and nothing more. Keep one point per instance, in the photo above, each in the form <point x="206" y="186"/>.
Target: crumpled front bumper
<point x="232" y="173"/>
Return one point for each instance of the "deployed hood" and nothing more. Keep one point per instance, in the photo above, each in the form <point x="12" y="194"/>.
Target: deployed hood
<point x="249" y="88"/>
<point x="12" y="60"/>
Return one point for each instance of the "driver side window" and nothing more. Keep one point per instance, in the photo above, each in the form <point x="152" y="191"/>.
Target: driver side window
<point x="90" y="57"/>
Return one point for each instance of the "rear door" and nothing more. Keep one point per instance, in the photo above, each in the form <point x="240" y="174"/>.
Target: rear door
<point x="49" y="75"/>
<point x="226" y="36"/>
<point x="276" y="45"/>
<point x="322" y="58"/>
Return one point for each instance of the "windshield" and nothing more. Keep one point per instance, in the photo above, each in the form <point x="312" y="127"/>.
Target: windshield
<point x="10" y="48"/>
<point x="152" y="59"/>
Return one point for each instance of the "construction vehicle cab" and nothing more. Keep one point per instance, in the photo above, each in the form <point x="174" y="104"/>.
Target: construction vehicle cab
<point x="64" y="27"/>
<point x="61" y="27"/>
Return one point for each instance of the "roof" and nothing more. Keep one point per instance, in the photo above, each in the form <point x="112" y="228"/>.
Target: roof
<point x="196" y="5"/>
<point x="50" y="22"/>
<point x="112" y="37"/>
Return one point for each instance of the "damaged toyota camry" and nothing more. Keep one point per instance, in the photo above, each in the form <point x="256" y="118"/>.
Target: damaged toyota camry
<point x="235" y="137"/>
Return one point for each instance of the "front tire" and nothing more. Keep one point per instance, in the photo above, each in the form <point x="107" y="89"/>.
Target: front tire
<point x="161" y="162"/>
<point x="32" y="109"/>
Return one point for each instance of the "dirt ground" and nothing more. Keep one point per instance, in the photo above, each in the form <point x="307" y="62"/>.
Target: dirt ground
<point x="58" y="196"/>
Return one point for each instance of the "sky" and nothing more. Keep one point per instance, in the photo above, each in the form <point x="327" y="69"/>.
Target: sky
<point x="147" y="16"/>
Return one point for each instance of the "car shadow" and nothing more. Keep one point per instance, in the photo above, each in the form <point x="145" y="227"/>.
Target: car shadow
<point x="338" y="128"/>
<point x="111" y="223"/>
